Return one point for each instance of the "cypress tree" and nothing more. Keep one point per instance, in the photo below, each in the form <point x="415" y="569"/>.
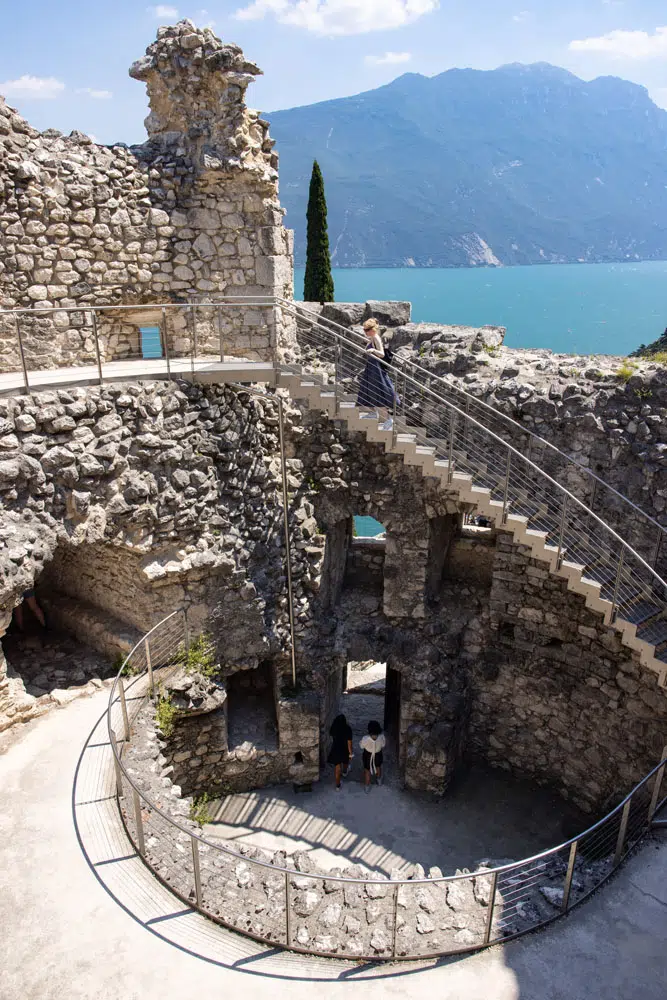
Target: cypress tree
<point x="318" y="283"/>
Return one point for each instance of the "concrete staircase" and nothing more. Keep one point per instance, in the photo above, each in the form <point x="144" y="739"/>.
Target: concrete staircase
<point x="642" y="628"/>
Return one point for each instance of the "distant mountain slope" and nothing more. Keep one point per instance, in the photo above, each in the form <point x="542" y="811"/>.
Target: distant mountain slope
<point x="517" y="165"/>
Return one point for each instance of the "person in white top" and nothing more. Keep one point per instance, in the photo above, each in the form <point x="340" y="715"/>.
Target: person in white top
<point x="372" y="746"/>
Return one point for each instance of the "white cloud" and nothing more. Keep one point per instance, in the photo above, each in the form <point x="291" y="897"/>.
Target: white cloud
<point x="523" y="15"/>
<point x="659" y="96"/>
<point x="164" y="11"/>
<point x="39" y="88"/>
<point x="203" y="19"/>
<point x="626" y="44"/>
<point x="97" y="95"/>
<point x="388" y="59"/>
<point x="339" y="17"/>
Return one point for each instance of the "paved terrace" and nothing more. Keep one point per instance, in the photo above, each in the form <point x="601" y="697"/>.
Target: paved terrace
<point x="84" y="919"/>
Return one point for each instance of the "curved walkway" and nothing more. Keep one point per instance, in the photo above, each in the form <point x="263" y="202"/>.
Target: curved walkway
<point x="82" y="917"/>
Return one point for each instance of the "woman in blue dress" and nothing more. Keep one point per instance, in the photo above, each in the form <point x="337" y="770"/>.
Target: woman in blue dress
<point x="376" y="389"/>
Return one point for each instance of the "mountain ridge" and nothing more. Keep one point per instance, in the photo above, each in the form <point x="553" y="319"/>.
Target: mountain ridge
<point x="517" y="165"/>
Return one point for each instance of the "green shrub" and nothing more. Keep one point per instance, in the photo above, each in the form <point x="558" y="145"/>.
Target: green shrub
<point x="200" y="658"/>
<point x="626" y="371"/>
<point x="199" y="812"/>
<point x="165" y="714"/>
<point x="643" y="393"/>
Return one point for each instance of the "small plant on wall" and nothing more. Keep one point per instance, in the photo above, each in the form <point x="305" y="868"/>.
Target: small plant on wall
<point x="199" y="811"/>
<point x="165" y="714"/>
<point x="200" y="658"/>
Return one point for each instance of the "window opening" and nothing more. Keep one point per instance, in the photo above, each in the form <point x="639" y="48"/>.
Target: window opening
<point x="151" y="343"/>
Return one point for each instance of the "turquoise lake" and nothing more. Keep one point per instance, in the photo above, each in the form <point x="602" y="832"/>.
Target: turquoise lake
<point x="570" y="308"/>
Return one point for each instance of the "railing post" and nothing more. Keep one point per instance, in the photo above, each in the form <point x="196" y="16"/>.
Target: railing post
<point x="140" y="823"/>
<point x="220" y="333"/>
<point x="617" y="585"/>
<point x="656" y="553"/>
<point x="568" y="878"/>
<point x="492" y="903"/>
<point x="197" y="871"/>
<point x="507" y="486"/>
<point x="119" y="773"/>
<point x="123" y="707"/>
<point x="288" y="912"/>
<point x="193" y="354"/>
<point x="149" y="665"/>
<point x="394" y="943"/>
<point x="393" y="420"/>
<point x="561" y="533"/>
<point x="97" y="346"/>
<point x="186" y="631"/>
<point x="337" y="369"/>
<point x="625" y="815"/>
<point x="593" y="492"/>
<point x="450" y="452"/>
<point x="21" y="354"/>
<point x="165" y="342"/>
<point x="288" y="547"/>
<point x="656" y="788"/>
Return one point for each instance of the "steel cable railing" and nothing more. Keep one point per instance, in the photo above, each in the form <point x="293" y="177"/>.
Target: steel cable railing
<point x="631" y="588"/>
<point x="402" y="918"/>
<point x="522" y="438"/>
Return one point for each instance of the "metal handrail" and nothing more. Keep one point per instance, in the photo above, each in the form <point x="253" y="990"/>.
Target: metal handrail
<point x="344" y="338"/>
<point x="621" y="838"/>
<point x="318" y="319"/>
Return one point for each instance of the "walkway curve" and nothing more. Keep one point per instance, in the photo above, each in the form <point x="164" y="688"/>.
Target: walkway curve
<point x="83" y="918"/>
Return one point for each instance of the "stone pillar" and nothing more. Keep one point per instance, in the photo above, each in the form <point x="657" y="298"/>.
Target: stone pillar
<point x="405" y="570"/>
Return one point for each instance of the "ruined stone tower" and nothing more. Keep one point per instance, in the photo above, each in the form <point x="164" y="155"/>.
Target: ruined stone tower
<point x="191" y="215"/>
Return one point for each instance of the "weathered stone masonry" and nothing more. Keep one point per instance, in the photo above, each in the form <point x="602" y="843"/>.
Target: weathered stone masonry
<point x="190" y="215"/>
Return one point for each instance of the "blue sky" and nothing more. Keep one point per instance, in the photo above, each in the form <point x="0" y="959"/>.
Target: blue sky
<point x="64" y="64"/>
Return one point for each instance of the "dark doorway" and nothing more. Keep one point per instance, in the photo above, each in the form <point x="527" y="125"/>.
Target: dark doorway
<point x="372" y="692"/>
<point x="251" y="708"/>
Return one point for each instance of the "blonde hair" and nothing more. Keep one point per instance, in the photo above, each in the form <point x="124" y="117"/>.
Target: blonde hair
<point x="372" y="324"/>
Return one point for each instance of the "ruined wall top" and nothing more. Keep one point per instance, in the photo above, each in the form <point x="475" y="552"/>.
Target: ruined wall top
<point x="196" y="90"/>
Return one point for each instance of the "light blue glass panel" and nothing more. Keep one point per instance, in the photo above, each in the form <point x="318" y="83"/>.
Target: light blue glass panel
<point x="151" y="346"/>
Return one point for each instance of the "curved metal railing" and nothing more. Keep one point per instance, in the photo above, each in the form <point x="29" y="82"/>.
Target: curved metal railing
<point x="399" y="919"/>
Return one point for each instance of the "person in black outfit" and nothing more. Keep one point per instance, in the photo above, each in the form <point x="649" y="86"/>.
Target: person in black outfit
<point x="341" y="748"/>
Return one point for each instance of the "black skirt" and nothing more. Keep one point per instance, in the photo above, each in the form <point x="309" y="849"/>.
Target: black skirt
<point x="339" y="754"/>
<point x="366" y="757"/>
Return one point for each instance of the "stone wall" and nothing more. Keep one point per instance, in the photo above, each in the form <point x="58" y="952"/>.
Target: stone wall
<point x="148" y="498"/>
<point x="503" y="662"/>
<point x="555" y="693"/>
<point x="365" y="563"/>
<point x="198" y="756"/>
<point x="192" y="214"/>
<point x="140" y="499"/>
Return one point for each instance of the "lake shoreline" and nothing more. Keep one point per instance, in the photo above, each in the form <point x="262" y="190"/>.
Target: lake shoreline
<point x="583" y="308"/>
